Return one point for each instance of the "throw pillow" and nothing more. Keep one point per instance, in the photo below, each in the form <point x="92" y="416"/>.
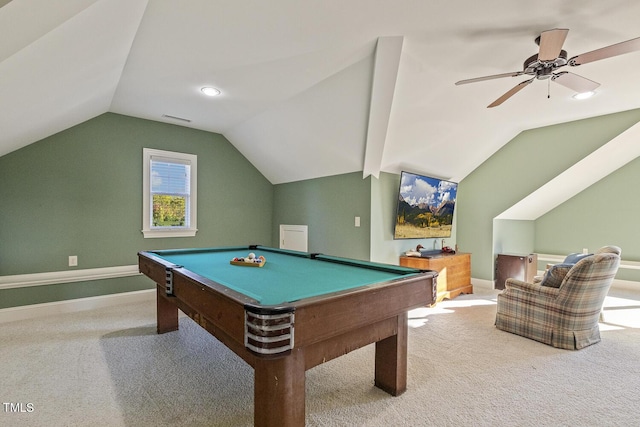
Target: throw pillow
<point x="574" y="258"/>
<point x="554" y="276"/>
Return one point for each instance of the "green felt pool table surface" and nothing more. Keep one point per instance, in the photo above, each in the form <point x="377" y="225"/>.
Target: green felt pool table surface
<point x="286" y="276"/>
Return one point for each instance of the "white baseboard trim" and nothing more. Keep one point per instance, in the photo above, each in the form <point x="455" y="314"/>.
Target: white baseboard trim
<point x="67" y="276"/>
<point x="70" y="306"/>
<point x="482" y="283"/>
<point x="625" y="285"/>
<point x="149" y="295"/>
<point x="619" y="285"/>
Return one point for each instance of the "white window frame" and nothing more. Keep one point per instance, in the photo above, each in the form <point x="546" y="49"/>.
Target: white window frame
<point x="155" y="232"/>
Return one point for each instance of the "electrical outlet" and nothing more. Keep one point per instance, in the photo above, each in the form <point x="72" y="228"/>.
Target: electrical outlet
<point x="357" y="222"/>
<point x="73" y="260"/>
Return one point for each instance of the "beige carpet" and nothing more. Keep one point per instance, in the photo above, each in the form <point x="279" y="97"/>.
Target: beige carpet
<point x="108" y="367"/>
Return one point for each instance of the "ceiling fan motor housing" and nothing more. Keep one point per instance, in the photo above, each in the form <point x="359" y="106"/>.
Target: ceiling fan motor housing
<point x="544" y="69"/>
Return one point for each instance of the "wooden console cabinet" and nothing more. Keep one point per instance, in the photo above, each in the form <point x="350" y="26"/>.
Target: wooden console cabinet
<point x="454" y="272"/>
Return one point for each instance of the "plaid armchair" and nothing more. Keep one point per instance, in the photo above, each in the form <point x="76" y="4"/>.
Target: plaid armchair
<point x="562" y="313"/>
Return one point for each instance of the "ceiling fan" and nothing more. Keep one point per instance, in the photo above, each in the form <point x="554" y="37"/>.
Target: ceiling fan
<point x="551" y="57"/>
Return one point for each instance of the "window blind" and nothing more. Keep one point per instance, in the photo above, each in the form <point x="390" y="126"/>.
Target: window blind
<point x="170" y="178"/>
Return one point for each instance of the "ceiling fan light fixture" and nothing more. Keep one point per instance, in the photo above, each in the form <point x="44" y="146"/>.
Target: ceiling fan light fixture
<point x="584" y="95"/>
<point x="210" y="91"/>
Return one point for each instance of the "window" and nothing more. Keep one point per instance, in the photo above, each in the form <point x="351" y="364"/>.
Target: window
<point x="169" y="195"/>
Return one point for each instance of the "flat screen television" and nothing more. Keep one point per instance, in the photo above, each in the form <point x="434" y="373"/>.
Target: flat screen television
<point x="425" y="207"/>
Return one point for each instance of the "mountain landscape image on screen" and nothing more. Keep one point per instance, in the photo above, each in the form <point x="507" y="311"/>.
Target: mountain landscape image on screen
<point x="425" y="207"/>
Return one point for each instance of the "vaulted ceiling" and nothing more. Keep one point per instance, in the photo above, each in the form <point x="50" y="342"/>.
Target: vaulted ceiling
<point x="310" y="88"/>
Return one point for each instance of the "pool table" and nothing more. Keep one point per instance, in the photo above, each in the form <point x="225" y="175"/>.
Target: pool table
<point x="295" y="312"/>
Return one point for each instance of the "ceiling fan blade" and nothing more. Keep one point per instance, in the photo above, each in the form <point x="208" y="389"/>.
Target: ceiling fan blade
<point x="575" y="82"/>
<point x="510" y="93"/>
<point x="606" y="52"/>
<point x="495" y="76"/>
<point x="551" y="42"/>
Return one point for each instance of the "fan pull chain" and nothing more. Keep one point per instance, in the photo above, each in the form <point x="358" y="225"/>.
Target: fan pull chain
<point x="548" y="88"/>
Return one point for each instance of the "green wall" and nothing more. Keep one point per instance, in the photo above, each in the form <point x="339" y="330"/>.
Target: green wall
<point x="527" y="162"/>
<point x="513" y="236"/>
<point x="328" y="206"/>
<point x="605" y="213"/>
<point x="79" y="192"/>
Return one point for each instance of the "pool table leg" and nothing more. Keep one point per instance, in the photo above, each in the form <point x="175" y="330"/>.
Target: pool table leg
<point x="279" y="391"/>
<point x="391" y="360"/>
<point x="167" y="312"/>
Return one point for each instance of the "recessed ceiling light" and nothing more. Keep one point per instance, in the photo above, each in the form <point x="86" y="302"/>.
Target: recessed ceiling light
<point x="210" y="91"/>
<point x="584" y="95"/>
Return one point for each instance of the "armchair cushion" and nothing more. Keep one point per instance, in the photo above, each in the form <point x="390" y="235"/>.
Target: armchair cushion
<point x="574" y="258"/>
<point x="555" y="275"/>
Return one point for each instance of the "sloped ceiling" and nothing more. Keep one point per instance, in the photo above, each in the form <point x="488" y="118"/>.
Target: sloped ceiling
<point x="309" y="88"/>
